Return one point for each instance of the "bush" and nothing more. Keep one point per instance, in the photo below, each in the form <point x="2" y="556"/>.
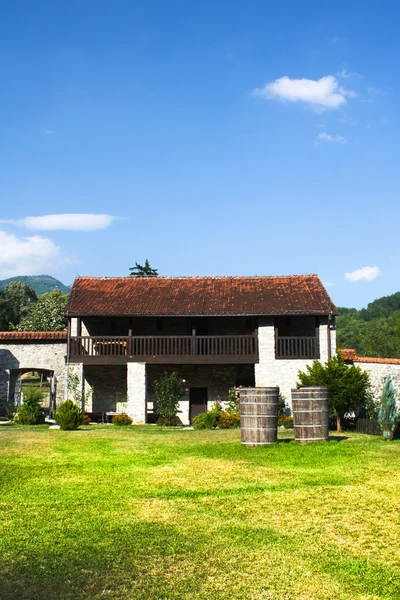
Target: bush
<point x="68" y="416"/>
<point x="228" y="420"/>
<point x="168" y="421"/>
<point x="122" y="420"/>
<point x="285" y="421"/>
<point x="234" y="399"/>
<point x="85" y="420"/>
<point x="168" y="391"/>
<point x="31" y="412"/>
<point x="207" y="420"/>
<point x="283" y="407"/>
<point x="388" y="415"/>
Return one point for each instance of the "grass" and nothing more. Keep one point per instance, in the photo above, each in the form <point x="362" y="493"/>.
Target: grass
<point x="149" y="513"/>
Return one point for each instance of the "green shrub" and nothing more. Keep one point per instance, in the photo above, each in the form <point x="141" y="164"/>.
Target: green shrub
<point x="285" y="421"/>
<point x="85" y="420"/>
<point x="228" y="419"/>
<point x="31" y="412"/>
<point x="122" y="420"/>
<point x="171" y="421"/>
<point x="388" y="415"/>
<point x="234" y="399"/>
<point x="68" y="415"/>
<point x="283" y="408"/>
<point x="207" y="420"/>
<point x="168" y="391"/>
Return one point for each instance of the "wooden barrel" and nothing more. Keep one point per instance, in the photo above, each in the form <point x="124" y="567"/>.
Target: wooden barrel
<point x="259" y="415"/>
<point x="310" y="406"/>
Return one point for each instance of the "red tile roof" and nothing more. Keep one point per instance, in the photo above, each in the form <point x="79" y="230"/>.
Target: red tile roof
<point x="351" y="355"/>
<point x="348" y="353"/>
<point x="33" y="336"/>
<point x="199" y="296"/>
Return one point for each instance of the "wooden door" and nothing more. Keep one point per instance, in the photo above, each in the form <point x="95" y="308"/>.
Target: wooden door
<point x="197" y="401"/>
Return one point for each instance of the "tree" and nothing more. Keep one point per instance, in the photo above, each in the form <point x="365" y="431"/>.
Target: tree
<point x="348" y="385"/>
<point x="47" y="314"/>
<point x="388" y="415"/>
<point x="168" y="390"/>
<point x="15" y="304"/>
<point x="143" y="270"/>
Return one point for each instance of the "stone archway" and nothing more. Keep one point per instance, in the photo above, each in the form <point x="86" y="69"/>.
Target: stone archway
<point x="16" y="386"/>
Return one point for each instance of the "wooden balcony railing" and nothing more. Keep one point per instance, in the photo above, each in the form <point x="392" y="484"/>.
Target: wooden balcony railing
<point x="297" y="347"/>
<point x="156" y="348"/>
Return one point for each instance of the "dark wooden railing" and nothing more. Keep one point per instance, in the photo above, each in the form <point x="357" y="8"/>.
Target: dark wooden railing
<point x="164" y="346"/>
<point x="297" y="347"/>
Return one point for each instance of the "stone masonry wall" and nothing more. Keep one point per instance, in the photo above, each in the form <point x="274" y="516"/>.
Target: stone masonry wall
<point x="108" y="387"/>
<point x="378" y="373"/>
<point x="283" y="373"/>
<point x="35" y="356"/>
<point x="136" y="406"/>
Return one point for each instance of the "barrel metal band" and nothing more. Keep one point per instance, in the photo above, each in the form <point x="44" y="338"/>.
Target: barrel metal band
<point x="310" y="439"/>
<point x="309" y="411"/>
<point x="312" y="425"/>
<point x="257" y="443"/>
<point x="258" y="428"/>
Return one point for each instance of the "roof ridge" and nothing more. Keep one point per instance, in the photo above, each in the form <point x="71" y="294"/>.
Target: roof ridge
<point x="131" y="277"/>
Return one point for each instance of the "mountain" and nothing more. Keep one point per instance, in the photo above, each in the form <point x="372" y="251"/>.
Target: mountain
<point x="40" y="283"/>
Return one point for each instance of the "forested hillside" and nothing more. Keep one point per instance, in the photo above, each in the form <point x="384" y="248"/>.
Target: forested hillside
<point x="41" y="284"/>
<point x="372" y="331"/>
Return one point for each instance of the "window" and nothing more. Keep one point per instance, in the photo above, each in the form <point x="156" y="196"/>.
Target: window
<point x="113" y="325"/>
<point x="159" y="325"/>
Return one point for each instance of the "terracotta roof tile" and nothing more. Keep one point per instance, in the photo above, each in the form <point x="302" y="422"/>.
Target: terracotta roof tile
<point x="199" y="296"/>
<point x="351" y="355"/>
<point x="39" y="336"/>
<point x="348" y="353"/>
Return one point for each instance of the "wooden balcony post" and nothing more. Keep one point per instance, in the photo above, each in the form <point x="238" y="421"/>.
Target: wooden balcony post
<point x="194" y="349"/>
<point x="129" y="343"/>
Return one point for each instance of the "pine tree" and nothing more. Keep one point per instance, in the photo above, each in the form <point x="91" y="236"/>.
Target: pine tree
<point x="143" y="270"/>
<point x="388" y="415"/>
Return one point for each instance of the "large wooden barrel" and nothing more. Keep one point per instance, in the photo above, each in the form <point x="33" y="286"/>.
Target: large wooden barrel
<point x="310" y="406"/>
<point x="259" y="415"/>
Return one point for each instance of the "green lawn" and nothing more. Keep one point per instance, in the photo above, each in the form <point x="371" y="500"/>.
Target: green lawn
<point x="149" y="513"/>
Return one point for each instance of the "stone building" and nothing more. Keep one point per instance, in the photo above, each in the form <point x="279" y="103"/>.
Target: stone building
<point x="216" y="332"/>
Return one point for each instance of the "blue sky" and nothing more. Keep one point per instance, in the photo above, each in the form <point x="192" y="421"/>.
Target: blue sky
<point x="228" y="138"/>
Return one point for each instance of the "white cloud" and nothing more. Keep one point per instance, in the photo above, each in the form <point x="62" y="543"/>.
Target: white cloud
<point x="328" y="283"/>
<point x="333" y="139"/>
<point x="365" y="273"/>
<point x="50" y="131"/>
<point x="27" y="256"/>
<point x="67" y="222"/>
<point x="344" y="73"/>
<point x="323" y="93"/>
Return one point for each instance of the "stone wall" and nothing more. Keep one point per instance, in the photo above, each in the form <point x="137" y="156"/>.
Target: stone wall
<point x="33" y="355"/>
<point x="105" y="387"/>
<point x="283" y="372"/>
<point x="379" y="371"/>
<point x="136" y="407"/>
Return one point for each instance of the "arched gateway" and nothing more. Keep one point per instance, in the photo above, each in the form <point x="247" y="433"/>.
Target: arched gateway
<point x="25" y="351"/>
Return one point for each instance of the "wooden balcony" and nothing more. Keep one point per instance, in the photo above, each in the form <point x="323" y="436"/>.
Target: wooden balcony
<point x="292" y="347"/>
<point x="190" y="349"/>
